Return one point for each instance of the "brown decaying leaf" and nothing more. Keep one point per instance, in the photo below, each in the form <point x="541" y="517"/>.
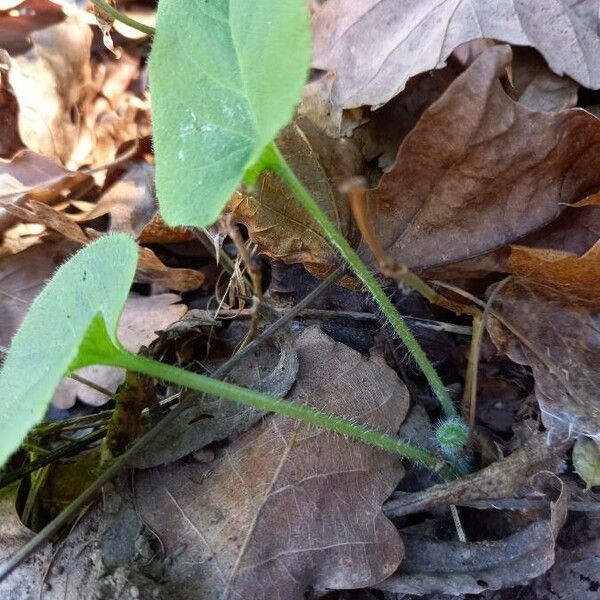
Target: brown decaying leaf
<point x="288" y="506"/>
<point x="479" y="171"/>
<point x="500" y="479"/>
<point x="561" y="342"/>
<point x="10" y="141"/>
<point x="452" y="567"/>
<point x="275" y="220"/>
<point x="142" y="317"/>
<point x="22" y="276"/>
<point x="32" y="176"/>
<point x="576" y="230"/>
<point x="150" y="268"/>
<point x="381" y="135"/>
<point x="272" y="369"/>
<point x="48" y="83"/>
<point x="15" y="31"/>
<point x="115" y="109"/>
<point x="578" y="277"/>
<point x="132" y="208"/>
<point x="535" y="86"/>
<point x="375" y="46"/>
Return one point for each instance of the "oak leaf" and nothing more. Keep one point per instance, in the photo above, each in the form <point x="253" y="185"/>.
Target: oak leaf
<point x="289" y="506"/>
<point x="480" y="171"/>
<point x="375" y="46"/>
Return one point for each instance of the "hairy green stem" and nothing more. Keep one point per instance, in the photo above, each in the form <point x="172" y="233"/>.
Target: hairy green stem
<point x="275" y="162"/>
<point x="119" y="16"/>
<point x="248" y="397"/>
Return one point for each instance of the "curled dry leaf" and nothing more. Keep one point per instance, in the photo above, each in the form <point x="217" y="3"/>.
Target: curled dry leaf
<point x="451" y="567"/>
<point x="132" y="208"/>
<point x="32" y="176"/>
<point x="150" y="268"/>
<point x="375" y="46"/>
<point x="16" y="27"/>
<point x="479" y="171"/>
<point x="48" y="83"/>
<point x="578" y="277"/>
<point x="535" y="86"/>
<point x="272" y="369"/>
<point x="288" y="506"/>
<point x="275" y="220"/>
<point x="501" y="479"/>
<point x="114" y="110"/>
<point x="561" y="342"/>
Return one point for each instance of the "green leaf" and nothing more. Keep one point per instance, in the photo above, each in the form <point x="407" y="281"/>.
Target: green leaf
<point x="586" y="460"/>
<point x="225" y="76"/>
<point x="86" y="294"/>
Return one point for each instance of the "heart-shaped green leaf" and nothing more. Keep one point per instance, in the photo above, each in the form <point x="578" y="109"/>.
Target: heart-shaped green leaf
<point x="82" y="301"/>
<point x="225" y="76"/>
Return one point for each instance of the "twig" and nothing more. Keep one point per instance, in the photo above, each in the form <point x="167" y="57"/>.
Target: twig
<point x="253" y="270"/>
<point x="522" y="504"/>
<point x="317" y="313"/>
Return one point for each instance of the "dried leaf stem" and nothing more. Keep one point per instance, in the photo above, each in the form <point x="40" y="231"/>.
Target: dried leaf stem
<point x="275" y="162"/>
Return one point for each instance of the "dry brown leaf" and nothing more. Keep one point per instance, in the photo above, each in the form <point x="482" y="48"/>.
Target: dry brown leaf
<point x="150" y="268"/>
<point x="16" y="27"/>
<point x="578" y="277"/>
<point x="499" y="480"/>
<point x="48" y="83"/>
<point x="288" y="506"/>
<point x="156" y="231"/>
<point x="130" y="202"/>
<point x="435" y="565"/>
<point x="535" y="86"/>
<point x="132" y="208"/>
<point x="142" y="317"/>
<point x="272" y="369"/>
<point x="22" y="276"/>
<point x="115" y="109"/>
<point x="31" y="176"/>
<point x="576" y="230"/>
<point x="10" y="141"/>
<point x="561" y="342"/>
<point x="275" y="220"/>
<point x="381" y="136"/>
<point x="375" y="46"/>
<point x="480" y="171"/>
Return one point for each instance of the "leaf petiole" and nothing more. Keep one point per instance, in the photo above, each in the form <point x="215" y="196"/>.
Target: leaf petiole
<point x="273" y="160"/>
<point x="267" y="403"/>
<point x="117" y="15"/>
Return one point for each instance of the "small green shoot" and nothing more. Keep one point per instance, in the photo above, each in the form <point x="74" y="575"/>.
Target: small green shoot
<point x="73" y="323"/>
<point x="225" y="77"/>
